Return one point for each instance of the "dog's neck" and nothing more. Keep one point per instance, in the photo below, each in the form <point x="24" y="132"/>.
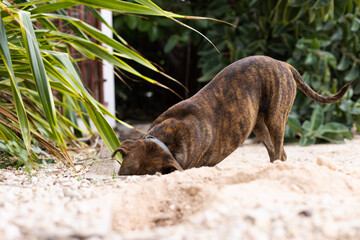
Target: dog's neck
<point x="158" y="142"/>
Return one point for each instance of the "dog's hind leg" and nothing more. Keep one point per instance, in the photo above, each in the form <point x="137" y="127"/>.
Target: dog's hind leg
<point x="276" y="126"/>
<point x="262" y="133"/>
<point x="282" y="93"/>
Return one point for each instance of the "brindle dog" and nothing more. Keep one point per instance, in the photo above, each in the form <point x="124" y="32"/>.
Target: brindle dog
<point x="254" y="94"/>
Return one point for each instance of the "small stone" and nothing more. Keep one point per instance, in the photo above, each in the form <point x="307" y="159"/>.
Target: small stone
<point x="83" y="209"/>
<point x="279" y="232"/>
<point x="71" y="193"/>
<point x="325" y="163"/>
<point x="305" y="213"/>
<point x="260" y="218"/>
<point x="330" y="230"/>
<point x="11" y="232"/>
<point x="104" y="152"/>
<point x="210" y="219"/>
<point x="218" y="168"/>
<point x="296" y="188"/>
<point x="193" y="190"/>
<point x="104" y="169"/>
<point x="254" y="233"/>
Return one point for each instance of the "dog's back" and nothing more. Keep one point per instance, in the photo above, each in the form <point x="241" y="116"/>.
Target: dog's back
<point x="223" y="114"/>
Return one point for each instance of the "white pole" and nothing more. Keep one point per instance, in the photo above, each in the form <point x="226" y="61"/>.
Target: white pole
<point x="108" y="71"/>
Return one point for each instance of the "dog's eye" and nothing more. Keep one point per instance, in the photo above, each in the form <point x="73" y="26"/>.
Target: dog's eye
<point x="167" y="170"/>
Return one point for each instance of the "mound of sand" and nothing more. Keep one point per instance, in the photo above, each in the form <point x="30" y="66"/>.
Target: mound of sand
<point x="313" y="195"/>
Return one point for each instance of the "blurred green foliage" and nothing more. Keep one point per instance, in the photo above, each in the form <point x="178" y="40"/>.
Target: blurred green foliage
<point x="14" y="154"/>
<point x="320" y="38"/>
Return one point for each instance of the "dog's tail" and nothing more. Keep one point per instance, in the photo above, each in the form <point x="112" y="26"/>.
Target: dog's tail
<point x="314" y="95"/>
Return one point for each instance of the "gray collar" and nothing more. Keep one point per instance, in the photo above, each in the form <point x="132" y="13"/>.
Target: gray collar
<point x="158" y="142"/>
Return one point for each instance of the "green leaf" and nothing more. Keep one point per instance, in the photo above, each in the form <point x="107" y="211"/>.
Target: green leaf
<point x="334" y="127"/>
<point x="210" y="74"/>
<point x="144" y="25"/>
<point x="19" y="105"/>
<point x="321" y="3"/>
<point x="353" y="73"/>
<point x="100" y="52"/>
<point x="171" y="16"/>
<point x="297" y="3"/>
<point x="291" y="14"/>
<point x="102" y="20"/>
<point x="7" y="135"/>
<point x="52" y="7"/>
<point x="312" y="15"/>
<point x="317" y="118"/>
<point x="119" y="6"/>
<point x="310" y="59"/>
<point x="355" y="24"/>
<point x="171" y="43"/>
<point x="339" y="8"/>
<point x="356" y="109"/>
<point x="39" y="73"/>
<point x="333" y="138"/>
<point x="294" y="123"/>
<point x="101" y="37"/>
<point x="307" y="127"/>
<point x="153" y="34"/>
<point x="350" y="5"/>
<point x="344" y="63"/>
<point x="106" y="132"/>
<point x="307" y="138"/>
<point x="330" y="58"/>
<point x="131" y="21"/>
<point x="336" y="137"/>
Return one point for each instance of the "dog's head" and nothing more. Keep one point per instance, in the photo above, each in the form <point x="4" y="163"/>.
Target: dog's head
<point x="142" y="157"/>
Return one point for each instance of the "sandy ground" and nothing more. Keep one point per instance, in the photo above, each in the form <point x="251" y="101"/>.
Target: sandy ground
<point x="314" y="195"/>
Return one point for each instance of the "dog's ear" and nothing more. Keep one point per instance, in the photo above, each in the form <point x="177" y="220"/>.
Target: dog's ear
<point x="123" y="152"/>
<point x="170" y="165"/>
<point x="125" y="147"/>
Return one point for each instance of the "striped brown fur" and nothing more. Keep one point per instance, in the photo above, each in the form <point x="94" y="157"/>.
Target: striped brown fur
<point x="254" y="94"/>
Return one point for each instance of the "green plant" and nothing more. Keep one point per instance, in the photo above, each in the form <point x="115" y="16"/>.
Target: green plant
<point x="35" y="61"/>
<point x="16" y="155"/>
<point x="5" y="159"/>
<point x="315" y="129"/>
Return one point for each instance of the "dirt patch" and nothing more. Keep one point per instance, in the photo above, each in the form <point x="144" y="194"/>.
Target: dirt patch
<point x="155" y="202"/>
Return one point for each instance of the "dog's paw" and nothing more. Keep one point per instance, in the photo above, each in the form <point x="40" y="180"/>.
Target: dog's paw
<point x="277" y="161"/>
